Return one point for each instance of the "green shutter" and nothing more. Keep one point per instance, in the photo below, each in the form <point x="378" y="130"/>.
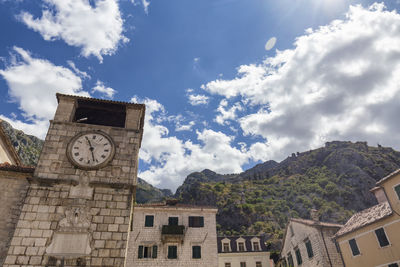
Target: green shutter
<point x="154" y="252"/>
<point x="149" y="221"/>
<point x="172" y="252"/>
<point x="140" y="253"/>
<point x="196" y="252"/>
<point x="397" y="189"/>
<point x="298" y="257"/>
<point x="309" y="249"/>
<point x="201" y="221"/>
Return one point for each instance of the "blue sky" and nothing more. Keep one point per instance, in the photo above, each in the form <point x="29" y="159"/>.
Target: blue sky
<point x="227" y="83"/>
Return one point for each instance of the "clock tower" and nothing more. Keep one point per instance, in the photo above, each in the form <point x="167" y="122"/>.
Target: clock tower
<point x="77" y="210"/>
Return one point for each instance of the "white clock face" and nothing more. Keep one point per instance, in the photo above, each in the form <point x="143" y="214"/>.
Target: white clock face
<point x="90" y="150"/>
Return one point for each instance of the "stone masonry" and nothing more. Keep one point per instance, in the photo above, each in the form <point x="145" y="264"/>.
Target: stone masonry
<point x="77" y="217"/>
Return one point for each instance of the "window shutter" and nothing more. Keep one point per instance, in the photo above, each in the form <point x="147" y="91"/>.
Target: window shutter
<point x="201" y="221"/>
<point x="154" y="252"/>
<point x="196" y="252"/>
<point x="354" y="247"/>
<point x="191" y="221"/>
<point x="140" y="253"/>
<point x="149" y="221"/>
<point x="382" y="238"/>
<point x="397" y="189"/>
<point x="309" y="249"/>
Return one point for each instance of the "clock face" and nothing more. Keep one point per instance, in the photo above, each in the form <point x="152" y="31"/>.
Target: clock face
<point x="91" y="150"/>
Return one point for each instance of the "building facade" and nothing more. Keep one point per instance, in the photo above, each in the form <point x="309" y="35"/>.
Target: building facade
<point x="243" y="251"/>
<point x="309" y="243"/>
<point x="77" y="208"/>
<point x="371" y="237"/>
<point x="172" y="235"/>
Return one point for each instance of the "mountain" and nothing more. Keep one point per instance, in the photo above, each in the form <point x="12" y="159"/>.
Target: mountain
<point x="334" y="179"/>
<point x="28" y="147"/>
<point x="146" y="193"/>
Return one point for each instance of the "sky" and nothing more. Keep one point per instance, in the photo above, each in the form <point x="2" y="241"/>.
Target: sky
<point x="227" y="84"/>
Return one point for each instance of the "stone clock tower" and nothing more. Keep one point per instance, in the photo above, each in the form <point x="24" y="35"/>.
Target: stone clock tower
<point x="77" y="210"/>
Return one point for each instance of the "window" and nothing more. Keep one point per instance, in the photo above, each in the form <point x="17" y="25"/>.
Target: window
<point x="196" y="252"/>
<point x="149" y="221"/>
<point x="243" y="264"/>
<point x="290" y="260"/>
<point x="310" y="252"/>
<point x="147" y="252"/>
<point x="173" y="221"/>
<point x="172" y="252"/>
<point x="397" y="189"/>
<point x="196" y="221"/>
<point x="298" y="256"/>
<point x="226" y="247"/>
<point x="393" y="265"/>
<point x="256" y="247"/>
<point x="354" y="247"/>
<point x="284" y="262"/>
<point x="227" y="264"/>
<point x="382" y="238"/>
<point x="241" y="246"/>
<point x="258" y="264"/>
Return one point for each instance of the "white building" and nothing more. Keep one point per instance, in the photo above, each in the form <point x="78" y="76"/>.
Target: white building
<point x="243" y="251"/>
<point x="172" y="235"/>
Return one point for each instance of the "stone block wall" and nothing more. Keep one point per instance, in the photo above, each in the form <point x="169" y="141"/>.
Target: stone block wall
<point x="205" y="237"/>
<point x="13" y="191"/>
<point x="54" y="164"/>
<point x="45" y="208"/>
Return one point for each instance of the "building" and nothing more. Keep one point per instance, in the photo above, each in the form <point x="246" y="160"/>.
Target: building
<point x="78" y="202"/>
<point x="7" y="151"/>
<point x="309" y="243"/>
<point x="173" y="234"/>
<point x="371" y="237"/>
<point x="243" y="251"/>
<point x="14" y="186"/>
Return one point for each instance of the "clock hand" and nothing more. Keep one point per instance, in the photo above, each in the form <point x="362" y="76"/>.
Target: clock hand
<point x="90" y="148"/>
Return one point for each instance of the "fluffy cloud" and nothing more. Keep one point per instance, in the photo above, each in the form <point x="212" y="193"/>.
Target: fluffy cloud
<point x="196" y="100"/>
<point x="101" y="88"/>
<point x="97" y="29"/>
<point x="227" y="113"/>
<point x="33" y="84"/>
<point x="172" y="159"/>
<point x="339" y="82"/>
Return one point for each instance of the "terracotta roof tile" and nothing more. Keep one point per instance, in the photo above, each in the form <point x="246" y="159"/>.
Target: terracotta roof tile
<point x="388" y="177"/>
<point x="8" y="167"/>
<point x="179" y="205"/>
<point x="316" y="223"/>
<point x="365" y="217"/>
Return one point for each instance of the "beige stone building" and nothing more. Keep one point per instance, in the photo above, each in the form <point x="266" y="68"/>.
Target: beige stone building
<point x="243" y="251"/>
<point x="14" y="186"/>
<point x="172" y="235"/>
<point x="309" y="243"/>
<point x="372" y="237"/>
<point x="76" y="209"/>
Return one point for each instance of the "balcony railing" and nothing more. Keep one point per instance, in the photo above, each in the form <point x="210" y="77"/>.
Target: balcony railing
<point x="172" y="233"/>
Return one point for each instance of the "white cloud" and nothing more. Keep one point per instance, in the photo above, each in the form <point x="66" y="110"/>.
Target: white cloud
<point x="33" y="84"/>
<point x="184" y="127"/>
<point x="227" y="113"/>
<point x="101" y="88"/>
<point x="196" y="100"/>
<point x="339" y="82"/>
<point x="172" y="159"/>
<point x="146" y="4"/>
<point x="80" y="73"/>
<point x="97" y="29"/>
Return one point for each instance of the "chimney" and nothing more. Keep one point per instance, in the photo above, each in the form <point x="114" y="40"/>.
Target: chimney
<point x="379" y="194"/>
<point x="314" y="215"/>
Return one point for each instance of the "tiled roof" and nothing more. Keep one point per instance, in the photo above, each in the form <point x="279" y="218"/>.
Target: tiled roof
<point x="388" y="177"/>
<point x="8" y="167"/>
<point x="316" y="223"/>
<point x="365" y="217"/>
<point x="100" y="100"/>
<point x="247" y="238"/>
<point x="178" y="205"/>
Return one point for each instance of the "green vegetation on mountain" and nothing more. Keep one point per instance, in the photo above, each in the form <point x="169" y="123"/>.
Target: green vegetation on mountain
<point x="334" y="179"/>
<point x="146" y="193"/>
<point x="28" y="147"/>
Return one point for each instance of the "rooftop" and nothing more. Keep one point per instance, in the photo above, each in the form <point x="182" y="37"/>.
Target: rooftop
<point x="141" y="106"/>
<point x="365" y="217"/>
<point x="167" y="205"/>
<point x="316" y="223"/>
<point x="388" y="177"/>
<point x="8" y="167"/>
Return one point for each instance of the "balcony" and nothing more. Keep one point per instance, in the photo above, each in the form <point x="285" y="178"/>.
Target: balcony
<point x="172" y="233"/>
